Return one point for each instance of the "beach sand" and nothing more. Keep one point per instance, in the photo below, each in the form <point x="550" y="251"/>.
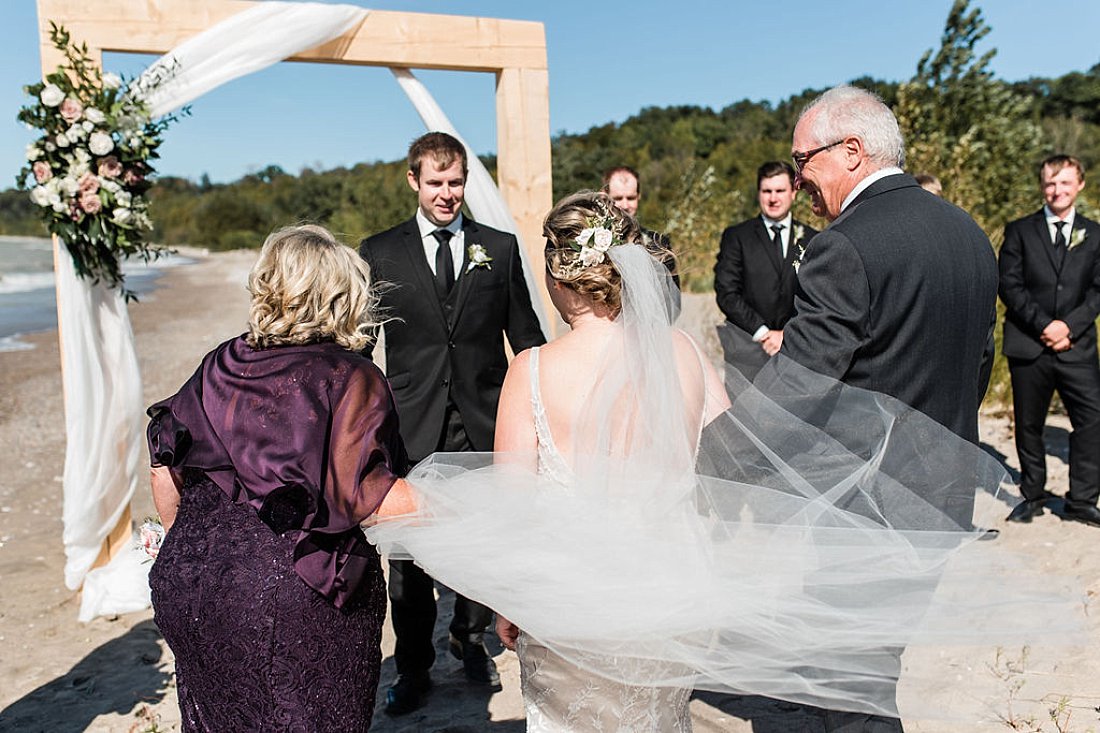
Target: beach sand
<point x="115" y="675"/>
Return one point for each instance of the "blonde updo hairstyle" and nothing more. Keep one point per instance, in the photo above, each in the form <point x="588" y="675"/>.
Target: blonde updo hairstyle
<point x="307" y="287"/>
<point x="600" y="283"/>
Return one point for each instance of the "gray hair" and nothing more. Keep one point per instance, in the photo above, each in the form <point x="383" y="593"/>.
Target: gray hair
<point x="847" y="111"/>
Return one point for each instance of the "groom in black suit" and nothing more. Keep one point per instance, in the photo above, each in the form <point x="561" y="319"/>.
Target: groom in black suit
<point x="756" y="272"/>
<point x="897" y="293"/>
<point x="1050" y="285"/>
<point x="457" y="290"/>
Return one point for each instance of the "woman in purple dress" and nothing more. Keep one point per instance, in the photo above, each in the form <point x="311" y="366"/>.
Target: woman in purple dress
<point x="264" y="464"/>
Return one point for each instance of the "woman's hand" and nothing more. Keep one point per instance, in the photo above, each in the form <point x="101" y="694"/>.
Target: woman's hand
<point x="166" y="495"/>
<point x="508" y="632"/>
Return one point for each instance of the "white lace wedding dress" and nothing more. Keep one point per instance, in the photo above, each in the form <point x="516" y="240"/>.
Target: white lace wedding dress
<point x="560" y="697"/>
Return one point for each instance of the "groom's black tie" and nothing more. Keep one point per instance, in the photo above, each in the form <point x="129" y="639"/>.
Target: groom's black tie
<point x="1059" y="243"/>
<point x="444" y="261"/>
<point x="777" y="239"/>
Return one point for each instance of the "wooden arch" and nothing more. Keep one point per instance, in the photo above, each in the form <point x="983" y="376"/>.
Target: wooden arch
<point x="515" y="51"/>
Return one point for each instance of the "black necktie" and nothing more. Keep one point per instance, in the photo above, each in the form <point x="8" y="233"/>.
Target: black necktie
<point x="1059" y="243"/>
<point x="777" y="239"/>
<point x="444" y="261"/>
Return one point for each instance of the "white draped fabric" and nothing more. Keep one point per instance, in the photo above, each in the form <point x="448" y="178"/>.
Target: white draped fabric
<point x="482" y="195"/>
<point x="103" y="398"/>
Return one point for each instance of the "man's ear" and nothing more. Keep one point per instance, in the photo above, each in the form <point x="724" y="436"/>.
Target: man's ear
<point x="854" y="153"/>
<point x="413" y="183"/>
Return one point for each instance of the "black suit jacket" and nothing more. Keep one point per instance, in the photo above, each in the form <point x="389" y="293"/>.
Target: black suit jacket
<point x="1036" y="290"/>
<point x="896" y="296"/>
<point x="754" y="286"/>
<point x="454" y="349"/>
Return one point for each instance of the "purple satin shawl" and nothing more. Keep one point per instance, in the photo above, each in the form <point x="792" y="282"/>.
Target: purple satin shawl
<point x="305" y="435"/>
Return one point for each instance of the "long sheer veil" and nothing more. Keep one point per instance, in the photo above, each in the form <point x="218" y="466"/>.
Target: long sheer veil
<point x="790" y="549"/>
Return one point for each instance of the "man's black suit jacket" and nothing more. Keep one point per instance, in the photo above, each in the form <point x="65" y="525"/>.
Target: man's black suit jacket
<point x="430" y="354"/>
<point x="753" y="285"/>
<point x="1037" y="290"/>
<point x="896" y="296"/>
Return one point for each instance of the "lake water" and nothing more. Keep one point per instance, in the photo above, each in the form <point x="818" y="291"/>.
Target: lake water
<point x="28" y="302"/>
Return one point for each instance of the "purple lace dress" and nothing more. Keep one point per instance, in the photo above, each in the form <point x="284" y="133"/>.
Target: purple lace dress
<point x="265" y="588"/>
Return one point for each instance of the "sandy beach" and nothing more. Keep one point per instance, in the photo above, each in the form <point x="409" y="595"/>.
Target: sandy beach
<point x="116" y="675"/>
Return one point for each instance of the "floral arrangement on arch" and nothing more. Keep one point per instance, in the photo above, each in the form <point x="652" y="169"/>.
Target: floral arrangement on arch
<point x="89" y="172"/>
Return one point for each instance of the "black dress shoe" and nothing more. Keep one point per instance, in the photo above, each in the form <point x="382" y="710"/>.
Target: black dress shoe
<point x="1027" y="510"/>
<point x="407" y="694"/>
<point x="476" y="662"/>
<point x="1086" y="514"/>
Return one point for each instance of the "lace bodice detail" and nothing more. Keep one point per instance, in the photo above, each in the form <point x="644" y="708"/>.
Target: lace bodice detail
<point x="551" y="462"/>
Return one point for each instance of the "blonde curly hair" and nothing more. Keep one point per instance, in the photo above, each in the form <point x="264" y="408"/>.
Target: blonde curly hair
<point x="308" y="287"/>
<point x="601" y="283"/>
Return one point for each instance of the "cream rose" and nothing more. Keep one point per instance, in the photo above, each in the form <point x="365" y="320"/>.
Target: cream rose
<point x="52" y="95"/>
<point x="100" y="143"/>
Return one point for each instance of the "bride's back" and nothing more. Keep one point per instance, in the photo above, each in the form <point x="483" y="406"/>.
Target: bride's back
<point x="591" y="404"/>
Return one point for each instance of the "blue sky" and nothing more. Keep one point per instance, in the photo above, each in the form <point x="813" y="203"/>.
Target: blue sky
<point x="607" y="60"/>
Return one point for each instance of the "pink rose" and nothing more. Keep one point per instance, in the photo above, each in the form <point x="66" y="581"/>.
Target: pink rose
<point x="109" y="167"/>
<point x="131" y="176"/>
<point x="90" y="202"/>
<point x="88" y="183"/>
<point x="42" y="172"/>
<point x="71" y="110"/>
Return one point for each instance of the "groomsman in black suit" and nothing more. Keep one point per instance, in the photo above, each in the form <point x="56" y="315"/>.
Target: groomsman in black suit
<point x="756" y="272"/>
<point x="457" y="289"/>
<point x="895" y="295"/>
<point x="1050" y="285"/>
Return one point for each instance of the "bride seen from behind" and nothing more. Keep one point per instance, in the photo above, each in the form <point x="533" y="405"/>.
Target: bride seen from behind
<point x="545" y="411"/>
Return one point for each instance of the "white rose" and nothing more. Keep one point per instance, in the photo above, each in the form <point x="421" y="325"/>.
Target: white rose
<point x="60" y="207"/>
<point x="52" y="95"/>
<point x="40" y="195"/>
<point x="50" y="147"/>
<point x="591" y="256"/>
<point x="121" y="215"/>
<point x="33" y="153"/>
<point x="111" y="81"/>
<point x="82" y="155"/>
<point x="100" y="143"/>
<point x="603" y="239"/>
<point x="123" y="198"/>
<point x="61" y="140"/>
<point x="69" y="185"/>
<point x="93" y="115"/>
<point x="76" y="133"/>
<point x="78" y="169"/>
<point x="584" y="236"/>
<point x="87" y="125"/>
<point x="110" y="185"/>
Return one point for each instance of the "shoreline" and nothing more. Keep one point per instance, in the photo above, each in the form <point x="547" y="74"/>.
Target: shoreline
<point x="57" y="674"/>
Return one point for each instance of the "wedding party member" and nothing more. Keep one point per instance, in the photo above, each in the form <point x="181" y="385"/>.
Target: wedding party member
<point x="756" y="272"/>
<point x="458" y="290"/>
<point x="623" y="186"/>
<point x="265" y="463"/>
<point x="930" y="183"/>
<point x="897" y="293"/>
<point x="1050" y="285"/>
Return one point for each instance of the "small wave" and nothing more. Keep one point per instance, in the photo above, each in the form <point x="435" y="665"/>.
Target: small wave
<point x="12" y="343"/>
<point x="21" y="282"/>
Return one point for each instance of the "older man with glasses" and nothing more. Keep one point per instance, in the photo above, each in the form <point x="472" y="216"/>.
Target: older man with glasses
<point x="896" y="295"/>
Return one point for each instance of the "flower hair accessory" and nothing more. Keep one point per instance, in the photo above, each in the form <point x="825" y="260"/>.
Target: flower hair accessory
<point x="600" y="233"/>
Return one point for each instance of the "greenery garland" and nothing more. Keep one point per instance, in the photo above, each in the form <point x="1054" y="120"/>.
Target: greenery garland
<point x="89" y="172"/>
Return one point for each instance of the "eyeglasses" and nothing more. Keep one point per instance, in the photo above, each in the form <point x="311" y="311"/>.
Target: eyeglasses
<point x="801" y="159"/>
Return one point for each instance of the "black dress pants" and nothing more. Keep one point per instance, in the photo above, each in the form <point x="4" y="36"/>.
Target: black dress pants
<point x="412" y="591"/>
<point x="1078" y="384"/>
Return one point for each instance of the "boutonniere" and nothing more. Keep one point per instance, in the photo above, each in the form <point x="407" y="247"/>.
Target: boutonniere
<point x="478" y="257"/>
<point x="797" y="261"/>
<point x="1076" y="239"/>
<point x="798" y="233"/>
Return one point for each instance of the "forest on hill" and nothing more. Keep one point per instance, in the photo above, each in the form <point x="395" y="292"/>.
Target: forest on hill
<point x="982" y="136"/>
